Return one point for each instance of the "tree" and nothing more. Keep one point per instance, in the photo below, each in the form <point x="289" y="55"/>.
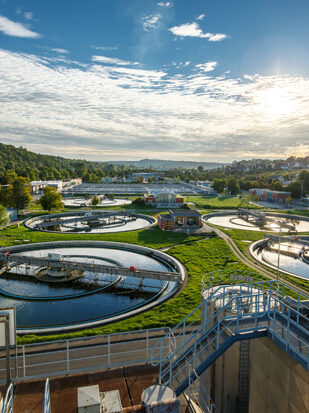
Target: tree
<point x="95" y="201"/>
<point x="51" y="199"/>
<point x="219" y="185"/>
<point x="4" y="218"/>
<point x="232" y="186"/>
<point x="21" y="197"/>
<point x="303" y="177"/>
<point x="139" y="201"/>
<point x="288" y="200"/>
<point x="276" y="186"/>
<point x="295" y="189"/>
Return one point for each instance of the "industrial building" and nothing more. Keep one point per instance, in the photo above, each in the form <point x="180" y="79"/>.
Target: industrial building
<point x="164" y="199"/>
<point x="61" y="185"/>
<point x="146" y="175"/>
<point x="268" y="195"/>
<point x="179" y="218"/>
<point x="131" y="188"/>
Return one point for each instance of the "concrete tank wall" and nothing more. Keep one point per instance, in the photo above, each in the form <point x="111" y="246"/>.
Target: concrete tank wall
<point x="277" y="382"/>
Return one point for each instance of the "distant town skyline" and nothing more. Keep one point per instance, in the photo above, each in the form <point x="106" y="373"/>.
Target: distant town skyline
<point x="174" y="80"/>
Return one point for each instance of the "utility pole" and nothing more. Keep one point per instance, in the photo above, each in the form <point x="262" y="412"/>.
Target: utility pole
<point x="302" y="189"/>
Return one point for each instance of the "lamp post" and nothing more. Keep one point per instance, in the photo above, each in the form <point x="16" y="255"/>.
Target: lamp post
<point x="278" y="262"/>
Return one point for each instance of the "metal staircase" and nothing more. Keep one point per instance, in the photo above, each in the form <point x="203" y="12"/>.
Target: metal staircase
<point x="232" y="313"/>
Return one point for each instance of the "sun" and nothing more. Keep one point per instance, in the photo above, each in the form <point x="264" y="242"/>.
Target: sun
<point x="276" y="103"/>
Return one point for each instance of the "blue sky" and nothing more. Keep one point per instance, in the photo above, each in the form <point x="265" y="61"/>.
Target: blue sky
<point x="180" y="79"/>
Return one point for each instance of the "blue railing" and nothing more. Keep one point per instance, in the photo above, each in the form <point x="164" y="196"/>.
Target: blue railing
<point x="227" y="314"/>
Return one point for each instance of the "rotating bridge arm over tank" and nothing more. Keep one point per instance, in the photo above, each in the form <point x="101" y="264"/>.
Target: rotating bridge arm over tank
<point x="86" y="217"/>
<point x="95" y="268"/>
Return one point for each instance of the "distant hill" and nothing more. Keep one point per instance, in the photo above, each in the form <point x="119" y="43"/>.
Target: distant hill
<point x="165" y="165"/>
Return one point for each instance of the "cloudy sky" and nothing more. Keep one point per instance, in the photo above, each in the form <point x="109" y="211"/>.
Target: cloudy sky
<point x="131" y="79"/>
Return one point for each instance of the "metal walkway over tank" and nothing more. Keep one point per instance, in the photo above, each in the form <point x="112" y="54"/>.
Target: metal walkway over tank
<point x="17" y="259"/>
<point x="232" y="313"/>
<point x="87" y="217"/>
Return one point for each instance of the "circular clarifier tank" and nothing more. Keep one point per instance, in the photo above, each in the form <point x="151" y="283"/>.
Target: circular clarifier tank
<point x="105" y="202"/>
<point x="56" y="300"/>
<point x="259" y="221"/>
<point x="91" y="222"/>
<point x="291" y="256"/>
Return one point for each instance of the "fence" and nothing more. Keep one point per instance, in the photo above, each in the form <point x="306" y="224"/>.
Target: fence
<point x="50" y="359"/>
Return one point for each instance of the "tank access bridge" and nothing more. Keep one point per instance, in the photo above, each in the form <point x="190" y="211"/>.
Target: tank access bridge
<point x="277" y="240"/>
<point x="11" y="260"/>
<point x="260" y="219"/>
<point x="87" y="217"/>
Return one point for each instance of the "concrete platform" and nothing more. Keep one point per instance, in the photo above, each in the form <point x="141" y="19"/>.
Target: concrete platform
<point x="130" y="381"/>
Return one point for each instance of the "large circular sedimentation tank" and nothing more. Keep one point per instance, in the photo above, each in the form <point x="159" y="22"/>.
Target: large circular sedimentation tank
<point x="258" y="221"/>
<point x="91" y="222"/>
<point x="288" y="254"/>
<point x="44" y="305"/>
<point x="82" y="202"/>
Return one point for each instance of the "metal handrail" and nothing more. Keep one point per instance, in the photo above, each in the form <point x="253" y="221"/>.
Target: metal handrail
<point x="212" y="322"/>
<point x="252" y="306"/>
<point x="46" y="403"/>
<point x="8" y="400"/>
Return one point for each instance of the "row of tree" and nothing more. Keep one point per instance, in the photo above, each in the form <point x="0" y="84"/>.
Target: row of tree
<point x="298" y="188"/>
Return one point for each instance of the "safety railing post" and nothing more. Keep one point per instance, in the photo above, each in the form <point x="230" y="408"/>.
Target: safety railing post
<point x="24" y="361"/>
<point x="108" y="351"/>
<point x="161" y="362"/>
<point x="218" y="335"/>
<point x="238" y="314"/>
<point x="147" y="346"/>
<point x="194" y="356"/>
<point x="288" y="331"/>
<point x="298" y="308"/>
<point x="68" y="355"/>
<point x="170" y="372"/>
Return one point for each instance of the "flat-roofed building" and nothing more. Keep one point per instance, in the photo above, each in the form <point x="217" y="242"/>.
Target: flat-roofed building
<point x="268" y="195"/>
<point x="164" y="199"/>
<point x="180" y="218"/>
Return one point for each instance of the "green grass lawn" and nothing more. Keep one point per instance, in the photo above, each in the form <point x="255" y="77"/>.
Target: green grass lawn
<point x="218" y="202"/>
<point x="152" y="237"/>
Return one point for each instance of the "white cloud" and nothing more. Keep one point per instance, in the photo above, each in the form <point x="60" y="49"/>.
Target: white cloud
<point x="200" y="17"/>
<point x="104" y="47"/>
<point x="107" y="112"/>
<point x="194" y="30"/>
<point x="218" y="37"/>
<point x="151" y="22"/>
<point x="112" y="61"/>
<point x="11" y="28"/>
<point x="62" y="51"/>
<point x="163" y="4"/>
<point x="28" y="15"/>
<point x="207" y="67"/>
